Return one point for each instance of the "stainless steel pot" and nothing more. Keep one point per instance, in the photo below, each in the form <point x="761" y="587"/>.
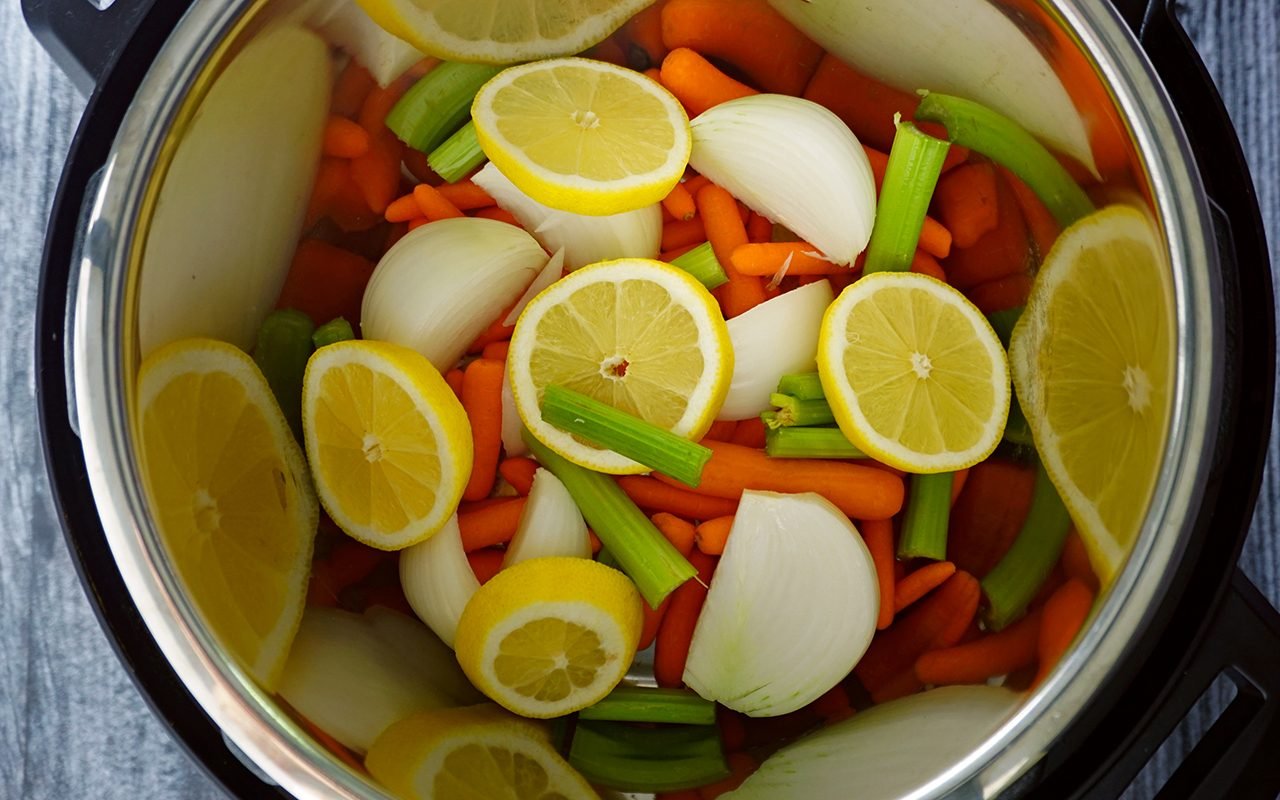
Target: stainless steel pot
<point x="151" y="85"/>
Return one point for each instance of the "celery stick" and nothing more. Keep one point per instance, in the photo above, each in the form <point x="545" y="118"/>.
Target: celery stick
<point x="332" y="332"/>
<point x="637" y="704"/>
<point x="284" y="345"/>
<point x="807" y="386"/>
<point x="625" y="434"/>
<point x="1012" y="584"/>
<point x="641" y="550"/>
<point x="924" y="528"/>
<point x="1004" y="141"/>
<point x="809" y="443"/>
<point x="438" y="104"/>
<point x="458" y="155"/>
<point x="1002" y="323"/>
<point x="915" y="162"/>
<point x="635" y="759"/>
<point x="802" y="413"/>
<point x="701" y="263"/>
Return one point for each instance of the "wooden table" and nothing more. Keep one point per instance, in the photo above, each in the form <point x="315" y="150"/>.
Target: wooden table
<point x="71" y="723"/>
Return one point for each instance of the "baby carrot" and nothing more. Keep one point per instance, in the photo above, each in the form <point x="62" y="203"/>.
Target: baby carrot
<point x="518" y="471"/>
<point x="654" y="74"/>
<point x="695" y="184"/>
<point x="935" y="239"/>
<point x="454" y="378"/>
<point x="961" y="477"/>
<point x="642" y="38"/>
<point x="682" y="232"/>
<point x="741" y="765"/>
<point x="986" y="657"/>
<point x="749" y="433"/>
<point x="721" y="430"/>
<point x="861" y="492"/>
<point x="465" y="195"/>
<point x="482" y="400"/>
<point x="496" y="351"/>
<point x="766" y="259"/>
<point x="325" y="282"/>
<point x="434" y="205"/>
<point x="1075" y="561"/>
<point x="653" y="495"/>
<point x="713" y="535"/>
<point x="486" y="563"/>
<point x="681" y="533"/>
<point x="759" y="229"/>
<point x="490" y="524"/>
<point x="1001" y="294"/>
<point x="377" y="171"/>
<point x="350" y="89"/>
<point x="878" y="534"/>
<point x="496" y="332"/>
<point x="403" y="209"/>
<point x="679" y="203"/>
<point x="652" y="622"/>
<point x="697" y="84"/>
<point x="676" y="632"/>
<point x="920" y="582"/>
<point x="988" y="514"/>
<point x="1004" y="250"/>
<point x="674" y="253"/>
<point x="1041" y="224"/>
<point x="344" y="138"/>
<point x="966" y="202"/>
<point x="925" y="264"/>
<point x="1064" y="616"/>
<point x="726" y="232"/>
<point x="500" y="214"/>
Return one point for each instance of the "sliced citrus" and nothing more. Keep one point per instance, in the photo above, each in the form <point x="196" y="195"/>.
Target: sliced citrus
<point x="1092" y="359"/>
<point x="914" y="373"/>
<point x="230" y="494"/>
<point x="583" y="136"/>
<point x="388" y="441"/>
<point x="640" y="335"/>
<point x="550" y="636"/>
<point x="470" y="753"/>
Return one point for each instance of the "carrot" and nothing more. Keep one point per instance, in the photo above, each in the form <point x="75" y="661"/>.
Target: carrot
<point x="596" y="544"/>
<point x="741" y="765"/>
<point x="490" y="524"/>
<point x="1064" y="616"/>
<point x="1002" y="293"/>
<point x="500" y="214"/>
<point x="878" y="534"/>
<point x="749" y="433"/>
<point x="465" y="195"/>
<point x="681" y="533"/>
<point x="682" y="232"/>
<point x="1075" y="561"/>
<point x="350" y="562"/>
<point x="610" y="51"/>
<point x="901" y="685"/>
<point x="935" y="239"/>
<point x="652" y="622"/>
<point x="454" y="378"/>
<point x="680" y="203"/>
<point x="653" y="495"/>
<point x="670" y="255"/>
<point x="766" y="259"/>
<point x="920" y="582"/>
<point x="925" y="264"/>
<point x="434" y="205"/>
<point x="676" y="632"/>
<point x="486" y="563"/>
<point x="721" y="430"/>
<point x="654" y="74"/>
<point x="859" y="491"/>
<point x="988" y="514"/>
<point x="325" y="282"/>
<point x="482" y="400"/>
<point x="331" y="177"/>
<point x="378" y="103"/>
<point x="496" y="351"/>
<point x="749" y="35"/>
<point x="1004" y="250"/>
<point x="697" y="83"/>
<point x="496" y="332"/>
<point x="642" y="38"/>
<point x="725" y="231"/>
<point x="733" y="729"/>
<point x="350" y="90"/>
<point x="1041" y="224"/>
<point x="518" y="471"/>
<point x="344" y="138"/>
<point x="960" y="478"/>
<point x="377" y="172"/>
<point x="713" y="535"/>
<point x="759" y="229"/>
<point x="986" y="657"/>
<point x="403" y="209"/>
<point x="833" y="705"/>
<point x="416" y="162"/>
<point x="965" y="200"/>
<point x="695" y="184"/>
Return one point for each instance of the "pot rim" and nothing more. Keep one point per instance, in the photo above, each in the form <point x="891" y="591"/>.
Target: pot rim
<point x="104" y="283"/>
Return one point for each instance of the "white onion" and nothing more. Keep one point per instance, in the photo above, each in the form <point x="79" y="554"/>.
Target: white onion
<point x="888" y="752"/>
<point x="431" y="657"/>
<point x="585" y="239"/>
<point x="792" y="606"/>
<point x="794" y="162"/>
<point x="441" y="285"/>
<point x="343" y="676"/>
<point x="345" y="24"/>
<point x="778" y="337"/>
<point x="437" y="580"/>
<point x="550" y="525"/>
<point x="971" y="48"/>
<point x="231" y="206"/>
<point x="549" y="275"/>
<point x="513" y="443"/>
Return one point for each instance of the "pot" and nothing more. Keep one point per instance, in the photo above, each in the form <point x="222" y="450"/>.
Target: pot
<point x="1179" y="614"/>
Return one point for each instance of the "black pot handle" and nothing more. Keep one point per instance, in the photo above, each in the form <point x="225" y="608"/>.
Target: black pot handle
<point x="84" y="36"/>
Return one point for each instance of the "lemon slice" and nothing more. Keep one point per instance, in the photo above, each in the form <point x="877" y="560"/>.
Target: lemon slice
<point x="230" y="494"/>
<point x="388" y="442"/>
<point x="550" y="636"/>
<point x="640" y="335"/>
<point x="583" y="136"/>
<point x="470" y="753"/>
<point x="1092" y="358"/>
<point x="914" y="373"/>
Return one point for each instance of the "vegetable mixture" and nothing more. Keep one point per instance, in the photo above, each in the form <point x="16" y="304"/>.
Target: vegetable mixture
<point x="679" y="393"/>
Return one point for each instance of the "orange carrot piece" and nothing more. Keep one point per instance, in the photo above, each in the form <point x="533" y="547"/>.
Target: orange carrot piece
<point x="726" y="232"/>
<point x="500" y="214"/>
<point x="925" y="264"/>
<point x="861" y="492"/>
<point x="454" y="378"/>
<point x="1002" y="293"/>
<point x="679" y="203"/>
<point x="747" y="34"/>
<point x="749" y="433"/>
<point x="642" y="38"/>
<point x="682" y="232"/>
<point x="652" y="622"/>
<point x="993" y="654"/>
<point x="496" y="332"/>
<point x="899" y="686"/>
<point x="434" y="205"/>
<point x="1075" y="561"/>
<point x="596" y="544"/>
<point x="1044" y="229"/>
<point x="486" y="563"/>
<point x="377" y="172"/>
<point x="697" y="83"/>
<point x="670" y="255"/>
<point x="653" y="495"/>
<point x="416" y="162"/>
<point x="680" y="532"/>
<point x="721" y="430"/>
<point x="350" y="562"/>
<point x="403" y="209"/>
<point x="325" y="282"/>
<point x="1064" y="616"/>
<point x="713" y="535"/>
<point x="695" y="184"/>
<point x="496" y="351"/>
<point x="920" y="582"/>
<point x="767" y="258"/>
<point x="676" y="632"/>
<point x="350" y="90"/>
<point x="518" y="471"/>
<point x="378" y="103"/>
<point x="482" y="400"/>
<point x="879" y="161"/>
<point x="741" y="765"/>
<point x="958" y="481"/>
<point x="965" y="200"/>
<point x="935" y="239"/>
<point x="1005" y="250"/>
<point x="833" y="705"/>
<point x="988" y="514"/>
<point x="490" y="524"/>
<point x="344" y="138"/>
<point x="608" y="50"/>
<point x="465" y="195"/>
<point x="878" y="534"/>
<point x="331" y="177"/>
<point x="759" y="229"/>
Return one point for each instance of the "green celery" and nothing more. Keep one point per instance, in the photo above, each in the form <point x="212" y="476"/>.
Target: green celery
<point x="807" y="386"/>
<point x="1004" y="141"/>
<point x="924" y="528"/>
<point x="638" y="704"/>
<point x="701" y="263"/>
<point x="641" y="550"/>
<point x="799" y="413"/>
<point x="635" y="759"/>
<point x="284" y="346"/>
<point x="1012" y="584"/>
<point x="438" y="104"/>
<point x="915" y="162"/>
<point x="625" y="434"/>
<point x="458" y="155"/>
<point x="605" y="556"/>
<point x="1017" y="430"/>
<point x="809" y="443"/>
<point x="332" y="332"/>
<point x="1002" y="323"/>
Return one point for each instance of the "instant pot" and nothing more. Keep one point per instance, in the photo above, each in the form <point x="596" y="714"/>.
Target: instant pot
<point x="1179" y="616"/>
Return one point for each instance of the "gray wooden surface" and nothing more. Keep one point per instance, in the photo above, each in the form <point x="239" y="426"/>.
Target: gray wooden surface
<point x="71" y="723"/>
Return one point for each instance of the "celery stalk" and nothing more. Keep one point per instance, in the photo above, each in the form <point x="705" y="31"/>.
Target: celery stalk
<point x="638" y="704"/>
<point x="915" y="162"/>
<point x="807" y="386"/>
<point x="284" y="345"/>
<point x="924" y="528"/>
<point x="641" y="550"/>
<point x="458" y="155"/>
<point x="1002" y="323"/>
<point x="438" y="104"/>
<point x="1004" y="141"/>
<point x="801" y="413"/>
<point x="635" y="759"/>
<point x="625" y="434"/>
<point x="701" y="263"/>
<point x="809" y="443"/>
<point x="332" y="332"/>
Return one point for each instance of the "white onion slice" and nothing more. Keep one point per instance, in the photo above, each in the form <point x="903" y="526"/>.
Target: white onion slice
<point x="431" y="657"/>
<point x="513" y="444"/>
<point x="551" y="524"/>
<point x="348" y="26"/>
<point x="437" y="580"/>
<point x="549" y="275"/>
